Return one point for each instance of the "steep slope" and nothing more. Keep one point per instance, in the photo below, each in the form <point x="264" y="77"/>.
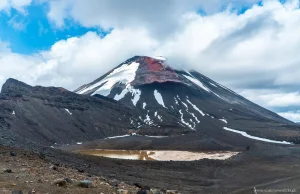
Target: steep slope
<point x="52" y="116"/>
<point x="165" y="97"/>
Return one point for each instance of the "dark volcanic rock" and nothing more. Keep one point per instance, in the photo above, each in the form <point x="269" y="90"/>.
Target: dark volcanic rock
<point x="85" y="184"/>
<point x="13" y="154"/>
<point x="17" y="192"/>
<point x="60" y="182"/>
<point x="68" y="180"/>
<point x="8" y="171"/>
<point x="55" y="116"/>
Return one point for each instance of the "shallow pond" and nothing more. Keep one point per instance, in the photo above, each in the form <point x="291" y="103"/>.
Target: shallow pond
<point x="159" y="155"/>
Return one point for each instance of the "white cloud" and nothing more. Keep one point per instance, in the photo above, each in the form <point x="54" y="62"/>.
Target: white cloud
<point x="19" y="5"/>
<point x="293" y="116"/>
<point x="254" y="49"/>
<point x="12" y="64"/>
<point x="272" y="98"/>
<point x="160" y="17"/>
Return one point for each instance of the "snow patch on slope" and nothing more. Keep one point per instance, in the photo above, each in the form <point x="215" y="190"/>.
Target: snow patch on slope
<point x="159" y="98"/>
<point x="144" y="105"/>
<point x="183" y="121"/>
<point x="156" y="136"/>
<point x="189" y="73"/>
<point x="122" y="95"/>
<point x="193" y="123"/>
<point x="160" y="118"/>
<point x="186" y="106"/>
<point x="196" y="118"/>
<point x="148" y="121"/>
<point x="136" y="93"/>
<point x="197" y="82"/>
<point x="124" y="74"/>
<point x="136" y="96"/>
<point x="256" y="138"/>
<point x="213" y="84"/>
<point x="223" y="120"/>
<point x="201" y="85"/>
<point x="187" y="110"/>
<point x="68" y="111"/>
<point x="114" y="137"/>
<point x="196" y="108"/>
<point x="176" y="101"/>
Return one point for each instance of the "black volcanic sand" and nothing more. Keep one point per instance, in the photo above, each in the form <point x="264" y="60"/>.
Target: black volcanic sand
<point x="263" y="166"/>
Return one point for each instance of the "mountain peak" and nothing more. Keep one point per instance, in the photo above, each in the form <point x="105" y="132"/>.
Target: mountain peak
<point x="136" y="71"/>
<point x="13" y="86"/>
<point x="153" y="70"/>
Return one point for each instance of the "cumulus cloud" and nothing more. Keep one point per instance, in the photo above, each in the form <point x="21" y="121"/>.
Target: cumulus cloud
<point x="19" y="5"/>
<point x="255" y="49"/>
<point x="293" y="116"/>
<point x="273" y="98"/>
<point x="14" y="65"/>
<point x="255" y="53"/>
<point x="160" y="17"/>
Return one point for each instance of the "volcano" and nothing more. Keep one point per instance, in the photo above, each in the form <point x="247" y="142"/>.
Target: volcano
<point x="143" y="96"/>
<point x="170" y="101"/>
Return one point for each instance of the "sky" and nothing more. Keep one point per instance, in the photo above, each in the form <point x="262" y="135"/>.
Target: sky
<point x="250" y="46"/>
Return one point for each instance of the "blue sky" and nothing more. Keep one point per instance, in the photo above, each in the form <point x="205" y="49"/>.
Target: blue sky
<point x="32" y="32"/>
<point x="250" y="46"/>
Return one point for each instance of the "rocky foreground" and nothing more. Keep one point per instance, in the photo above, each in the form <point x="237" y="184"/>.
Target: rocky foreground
<point x="56" y="171"/>
<point x="25" y="172"/>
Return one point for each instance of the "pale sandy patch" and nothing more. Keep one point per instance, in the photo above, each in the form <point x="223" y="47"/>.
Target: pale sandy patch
<point x="159" y="155"/>
<point x="190" y="156"/>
